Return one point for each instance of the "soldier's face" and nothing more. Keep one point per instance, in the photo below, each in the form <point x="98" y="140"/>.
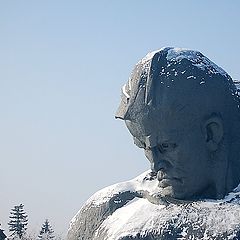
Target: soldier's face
<point x="176" y="150"/>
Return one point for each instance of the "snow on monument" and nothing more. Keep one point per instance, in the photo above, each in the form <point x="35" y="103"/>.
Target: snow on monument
<point x="184" y="111"/>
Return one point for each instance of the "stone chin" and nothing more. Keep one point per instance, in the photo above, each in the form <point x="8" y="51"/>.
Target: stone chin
<point x="170" y="191"/>
<point x="173" y="188"/>
<point x="167" y="192"/>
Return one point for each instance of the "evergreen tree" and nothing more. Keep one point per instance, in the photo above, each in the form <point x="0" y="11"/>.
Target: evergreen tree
<point x="18" y="222"/>
<point x="2" y="235"/>
<point x="46" y="232"/>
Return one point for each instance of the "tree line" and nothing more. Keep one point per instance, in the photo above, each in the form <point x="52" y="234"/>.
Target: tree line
<point x="18" y="226"/>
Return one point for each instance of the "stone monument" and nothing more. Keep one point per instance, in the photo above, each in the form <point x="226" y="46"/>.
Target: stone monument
<point x="184" y="111"/>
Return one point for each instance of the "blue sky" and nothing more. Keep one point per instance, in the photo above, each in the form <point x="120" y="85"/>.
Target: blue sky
<point x="62" y="64"/>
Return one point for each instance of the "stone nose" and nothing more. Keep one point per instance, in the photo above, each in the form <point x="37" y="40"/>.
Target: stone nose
<point x="156" y="158"/>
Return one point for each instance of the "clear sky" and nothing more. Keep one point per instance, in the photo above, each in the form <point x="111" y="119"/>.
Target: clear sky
<point x="62" y="64"/>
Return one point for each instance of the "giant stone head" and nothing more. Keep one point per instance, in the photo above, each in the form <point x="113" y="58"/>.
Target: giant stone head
<point x="183" y="110"/>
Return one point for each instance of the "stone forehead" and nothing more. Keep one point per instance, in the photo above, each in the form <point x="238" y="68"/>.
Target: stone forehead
<point x="161" y="125"/>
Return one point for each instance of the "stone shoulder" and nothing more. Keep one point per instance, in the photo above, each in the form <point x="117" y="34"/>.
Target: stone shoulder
<point x="98" y="207"/>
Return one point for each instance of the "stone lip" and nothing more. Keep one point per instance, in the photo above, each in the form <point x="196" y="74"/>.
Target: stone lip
<point x="123" y="212"/>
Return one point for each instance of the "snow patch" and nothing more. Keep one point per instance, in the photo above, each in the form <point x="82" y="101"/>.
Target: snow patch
<point x="135" y="184"/>
<point x="199" y="60"/>
<point x="125" y="92"/>
<point x="150" y="55"/>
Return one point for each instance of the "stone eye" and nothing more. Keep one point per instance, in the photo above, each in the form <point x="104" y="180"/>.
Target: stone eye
<point x="165" y="145"/>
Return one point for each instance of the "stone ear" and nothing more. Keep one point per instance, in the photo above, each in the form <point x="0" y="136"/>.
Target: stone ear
<point x="213" y="131"/>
